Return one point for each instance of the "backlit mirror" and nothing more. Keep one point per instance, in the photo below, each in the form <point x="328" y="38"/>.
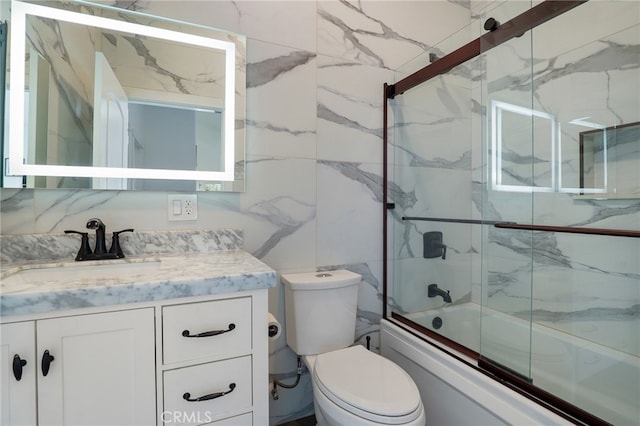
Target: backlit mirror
<point x="119" y="100"/>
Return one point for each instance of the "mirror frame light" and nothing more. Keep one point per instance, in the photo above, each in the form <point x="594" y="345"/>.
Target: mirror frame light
<point x="497" y="107"/>
<point x="17" y="166"/>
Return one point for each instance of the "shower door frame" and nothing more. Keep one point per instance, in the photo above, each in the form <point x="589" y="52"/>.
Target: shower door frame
<point x="513" y="28"/>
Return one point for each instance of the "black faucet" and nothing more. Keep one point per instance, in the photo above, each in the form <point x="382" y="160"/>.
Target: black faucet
<point x="100" y="251"/>
<point x="434" y="291"/>
<point x="98" y="226"/>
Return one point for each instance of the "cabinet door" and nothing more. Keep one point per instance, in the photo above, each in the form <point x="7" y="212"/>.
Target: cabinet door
<point x="18" y="389"/>
<point x="102" y="371"/>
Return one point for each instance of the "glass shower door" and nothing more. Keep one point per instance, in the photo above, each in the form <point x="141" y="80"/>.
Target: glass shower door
<point x="518" y="142"/>
<point x="435" y="254"/>
<point x="562" y="127"/>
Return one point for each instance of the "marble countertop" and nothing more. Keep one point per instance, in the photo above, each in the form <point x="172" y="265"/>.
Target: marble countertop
<point x="168" y="276"/>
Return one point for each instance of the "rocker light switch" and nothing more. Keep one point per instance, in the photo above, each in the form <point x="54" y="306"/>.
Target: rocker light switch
<point x="177" y="207"/>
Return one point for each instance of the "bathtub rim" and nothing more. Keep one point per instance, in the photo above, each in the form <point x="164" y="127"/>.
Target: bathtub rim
<point x="479" y="371"/>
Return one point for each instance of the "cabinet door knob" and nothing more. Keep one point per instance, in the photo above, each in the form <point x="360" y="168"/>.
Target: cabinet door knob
<point x="46" y="362"/>
<point x="187" y="333"/>
<point x="187" y="396"/>
<point x="18" y="363"/>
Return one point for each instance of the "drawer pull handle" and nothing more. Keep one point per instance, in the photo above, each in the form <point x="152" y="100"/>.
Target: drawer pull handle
<point x="187" y="333"/>
<point x="18" y="363"/>
<point x="187" y="396"/>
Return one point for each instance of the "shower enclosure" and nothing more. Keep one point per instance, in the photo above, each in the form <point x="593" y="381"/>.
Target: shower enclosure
<point x="512" y="216"/>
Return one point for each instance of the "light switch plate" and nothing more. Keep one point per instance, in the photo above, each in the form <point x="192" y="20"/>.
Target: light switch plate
<point x="182" y="207"/>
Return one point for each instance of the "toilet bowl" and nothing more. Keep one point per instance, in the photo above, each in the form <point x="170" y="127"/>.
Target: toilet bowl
<point x="354" y="386"/>
<point x="351" y="385"/>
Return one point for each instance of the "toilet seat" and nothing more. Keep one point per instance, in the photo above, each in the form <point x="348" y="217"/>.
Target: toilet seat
<point x="367" y="385"/>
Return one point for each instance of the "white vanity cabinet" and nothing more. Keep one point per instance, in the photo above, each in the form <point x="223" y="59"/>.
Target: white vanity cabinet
<point x="134" y="364"/>
<point x="158" y="339"/>
<point x="85" y="367"/>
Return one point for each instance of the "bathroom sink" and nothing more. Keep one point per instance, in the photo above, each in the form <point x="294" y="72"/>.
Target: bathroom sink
<point x="81" y="271"/>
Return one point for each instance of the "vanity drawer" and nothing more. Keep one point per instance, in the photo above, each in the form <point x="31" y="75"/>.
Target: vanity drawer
<point x="224" y="327"/>
<point x="210" y="379"/>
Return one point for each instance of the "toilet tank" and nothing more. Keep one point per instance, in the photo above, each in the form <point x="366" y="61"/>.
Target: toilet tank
<point x="320" y="309"/>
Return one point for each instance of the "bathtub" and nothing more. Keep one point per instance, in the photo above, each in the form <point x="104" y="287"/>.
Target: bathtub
<point x="603" y="381"/>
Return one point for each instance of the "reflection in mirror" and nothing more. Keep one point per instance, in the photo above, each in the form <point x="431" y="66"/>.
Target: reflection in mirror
<point x="524" y="157"/>
<point x="120" y="104"/>
<point x="609" y="159"/>
<point x="153" y="129"/>
<point x="522" y="149"/>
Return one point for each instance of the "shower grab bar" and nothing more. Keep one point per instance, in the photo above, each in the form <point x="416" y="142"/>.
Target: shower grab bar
<point x="549" y="228"/>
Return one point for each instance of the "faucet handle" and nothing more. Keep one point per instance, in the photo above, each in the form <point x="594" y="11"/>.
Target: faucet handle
<point x="115" y="243"/>
<point x="85" y="250"/>
<point x="433" y="246"/>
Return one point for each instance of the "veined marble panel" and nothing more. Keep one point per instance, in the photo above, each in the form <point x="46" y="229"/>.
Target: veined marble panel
<point x="385" y="34"/>
<point x="349" y="212"/>
<point x="58" y="210"/>
<point x="432" y="124"/>
<point x="281" y="101"/>
<point x="277" y="212"/>
<point x="567" y="282"/>
<point x="349" y="110"/>
<point x="16" y="211"/>
<point x="295" y="21"/>
<point x="440" y="192"/>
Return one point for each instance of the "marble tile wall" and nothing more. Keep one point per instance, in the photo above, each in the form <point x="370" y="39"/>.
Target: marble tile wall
<point x="315" y="71"/>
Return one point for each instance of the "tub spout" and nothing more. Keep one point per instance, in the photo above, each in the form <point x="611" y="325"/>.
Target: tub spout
<point x="434" y="291"/>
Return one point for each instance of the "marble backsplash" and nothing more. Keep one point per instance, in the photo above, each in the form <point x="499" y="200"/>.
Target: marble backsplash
<point x="32" y="247"/>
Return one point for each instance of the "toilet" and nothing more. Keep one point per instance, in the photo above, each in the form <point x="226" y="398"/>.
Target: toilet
<point x="351" y="385"/>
